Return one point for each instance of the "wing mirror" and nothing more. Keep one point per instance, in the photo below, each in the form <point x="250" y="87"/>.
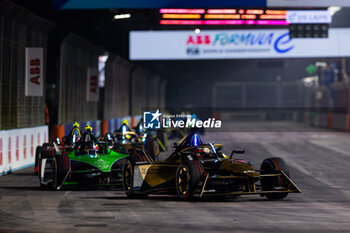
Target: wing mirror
<point x="236" y="151"/>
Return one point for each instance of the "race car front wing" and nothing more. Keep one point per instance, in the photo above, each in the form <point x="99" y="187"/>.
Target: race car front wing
<point x="290" y="186"/>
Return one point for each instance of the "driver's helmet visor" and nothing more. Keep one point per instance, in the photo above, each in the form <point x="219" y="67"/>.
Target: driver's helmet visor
<point x="124" y="129"/>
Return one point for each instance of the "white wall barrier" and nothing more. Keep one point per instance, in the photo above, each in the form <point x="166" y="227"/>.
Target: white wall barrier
<point x="17" y="147"/>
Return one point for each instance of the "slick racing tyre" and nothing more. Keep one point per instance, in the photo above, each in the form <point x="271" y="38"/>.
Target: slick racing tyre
<point x="54" y="174"/>
<point x="38" y="151"/>
<point x="269" y="183"/>
<point x="128" y="179"/>
<point x="60" y="166"/>
<point x="188" y="175"/>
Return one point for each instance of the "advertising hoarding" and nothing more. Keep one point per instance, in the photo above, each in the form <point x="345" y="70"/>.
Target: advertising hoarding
<point x="34" y="77"/>
<point x="92" y="89"/>
<point x="235" y="44"/>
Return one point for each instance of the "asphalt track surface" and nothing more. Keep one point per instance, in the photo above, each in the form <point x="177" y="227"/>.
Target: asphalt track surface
<point x="319" y="162"/>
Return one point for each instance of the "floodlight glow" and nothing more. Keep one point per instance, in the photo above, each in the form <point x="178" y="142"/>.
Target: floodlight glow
<point x="122" y="16"/>
<point x="333" y="9"/>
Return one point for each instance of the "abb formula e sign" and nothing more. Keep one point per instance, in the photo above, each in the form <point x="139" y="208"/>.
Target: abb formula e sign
<point x="34" y="76"/>
<point x="92" y="85"/>
<point x="235" y="44"/>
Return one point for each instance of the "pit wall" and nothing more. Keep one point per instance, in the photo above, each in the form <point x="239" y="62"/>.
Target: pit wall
<point x="17" y="147"/>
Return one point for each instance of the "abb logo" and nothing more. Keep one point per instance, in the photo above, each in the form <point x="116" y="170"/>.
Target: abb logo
<point x="93" y="84"/>
<point x="35" y="71"/>
<point x="25" y="146"/>
<point x="17" y="148"/>
<point x="32" y="146"/>
<point x="9" y="150"/>
<point x="0" y="151"/>
<point x="198" y="40"/>
<point x="92" y="91"/>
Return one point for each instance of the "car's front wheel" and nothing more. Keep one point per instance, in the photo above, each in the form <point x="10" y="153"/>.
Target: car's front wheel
<point x="188" y="175"/>
<point x="274" y="183"/>
<point x="128" y="179"/>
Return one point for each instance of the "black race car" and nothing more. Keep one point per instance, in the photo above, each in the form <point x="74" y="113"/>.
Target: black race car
<point x="196" y="169"/>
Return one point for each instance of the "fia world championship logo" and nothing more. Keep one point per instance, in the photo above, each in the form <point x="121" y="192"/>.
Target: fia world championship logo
<point x="151" y="120"/>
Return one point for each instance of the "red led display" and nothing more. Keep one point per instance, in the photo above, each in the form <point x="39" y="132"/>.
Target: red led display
<point x="222" y="17"/>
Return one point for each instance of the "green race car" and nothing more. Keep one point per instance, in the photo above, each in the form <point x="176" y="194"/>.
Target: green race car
<point x="87" y="163"/>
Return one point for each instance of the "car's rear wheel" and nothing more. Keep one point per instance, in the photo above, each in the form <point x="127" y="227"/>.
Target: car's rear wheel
<point x="274" y="183"/>
<point x="54" y="174"/>
<point x="188" y="176"/>
<point x="59" y="171"/>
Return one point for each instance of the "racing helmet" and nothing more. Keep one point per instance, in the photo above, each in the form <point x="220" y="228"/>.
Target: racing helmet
<point x="125" y="122"/>
<point x="76" y="125"/>
<point x="88" y="135"/>
<point x="88" y="128"/>
<point x="76" y="131"/>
